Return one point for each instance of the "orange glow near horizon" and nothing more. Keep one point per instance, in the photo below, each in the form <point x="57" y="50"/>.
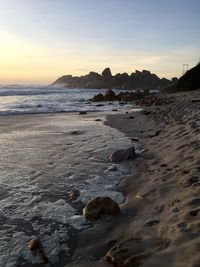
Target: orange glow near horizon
<point x="23" y="62"/>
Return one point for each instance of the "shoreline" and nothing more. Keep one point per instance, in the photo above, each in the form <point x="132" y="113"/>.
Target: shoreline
<point x="94" y="243"/>
<point x="162" y="202"/>
<point x="51" y="155"/>
<point x="162" y="207"/>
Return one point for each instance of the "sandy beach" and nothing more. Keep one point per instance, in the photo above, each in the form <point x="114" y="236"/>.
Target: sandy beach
<point x="48" y="155"/>
<point x="159" y="224"/>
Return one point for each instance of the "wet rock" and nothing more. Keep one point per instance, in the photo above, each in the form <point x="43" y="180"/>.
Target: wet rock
<point x="34" y="245"/>
<point x="110" y="95"/>
<point x="73" y="195"/>
<point x="100" y="206"/>
<point x="122" y="154"/>
<point x="98" y="98"/>
<point x="76" y="132"/>
<point x="100" y="105"/>
<point x="82" y="112"/>
<point x="135" y="139"/>
<point x="126" y="96"/>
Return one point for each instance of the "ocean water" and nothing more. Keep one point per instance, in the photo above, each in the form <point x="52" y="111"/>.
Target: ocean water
<point x="49" y="99"/>
<point x="44" y="156"/>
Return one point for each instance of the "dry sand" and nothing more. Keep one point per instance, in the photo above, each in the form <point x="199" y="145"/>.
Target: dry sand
<point x="160" y="221"/>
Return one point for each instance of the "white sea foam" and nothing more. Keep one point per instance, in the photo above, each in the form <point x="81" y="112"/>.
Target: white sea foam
<point x="41" y="163"/>
<point x="46" y="99"/>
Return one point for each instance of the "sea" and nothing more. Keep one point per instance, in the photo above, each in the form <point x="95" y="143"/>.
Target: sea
<point x="18" y="99"/>
<point x="46" y="150"/>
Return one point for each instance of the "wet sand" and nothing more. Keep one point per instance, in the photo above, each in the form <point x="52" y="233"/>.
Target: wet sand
<point x="43" y="157"/>
<point x="159" y="224"/>
<point x="160" y="221"/>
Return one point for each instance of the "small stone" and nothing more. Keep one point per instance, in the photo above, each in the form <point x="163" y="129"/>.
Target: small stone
<point x="73" y="195"/>
<point x="100" y="105"/>
<point x="135" y="139"/>
<point x="82" y="112"/>
<point x="34" y="245"/>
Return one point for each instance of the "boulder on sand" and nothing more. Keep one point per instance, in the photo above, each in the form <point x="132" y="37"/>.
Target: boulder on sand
<point x="122" y="154"/>
<point x="100" y="206"/>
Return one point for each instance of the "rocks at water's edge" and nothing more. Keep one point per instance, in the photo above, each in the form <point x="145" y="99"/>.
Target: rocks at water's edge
<point x="110" y="95"/>
<point x="100" y="206"/>
<point x="137" y="80"/>
<point x="142" y="98"/>
<point x="122" y="96"/>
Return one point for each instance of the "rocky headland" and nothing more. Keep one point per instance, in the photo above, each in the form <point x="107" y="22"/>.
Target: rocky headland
<point x="137" y="80"/>
<point x="188" y="82"/>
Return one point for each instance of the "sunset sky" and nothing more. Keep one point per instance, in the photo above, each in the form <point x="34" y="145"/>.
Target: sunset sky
<point x="43" y="39"/>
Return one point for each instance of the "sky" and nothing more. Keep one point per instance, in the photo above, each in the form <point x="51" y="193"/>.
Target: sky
<point x="41" y="40"/>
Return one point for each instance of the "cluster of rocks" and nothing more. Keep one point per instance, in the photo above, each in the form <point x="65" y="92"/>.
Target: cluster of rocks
<point x="137" y="80"/>
<point x="122" y="96"/>
<point x="95" y="209"/>
<point x="142" y="98"/>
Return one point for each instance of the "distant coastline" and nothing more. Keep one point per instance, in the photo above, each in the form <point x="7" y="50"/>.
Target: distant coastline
<point x="137" y="80"/>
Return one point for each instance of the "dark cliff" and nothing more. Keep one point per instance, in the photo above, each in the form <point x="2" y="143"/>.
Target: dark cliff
<point x="188" y="82"/>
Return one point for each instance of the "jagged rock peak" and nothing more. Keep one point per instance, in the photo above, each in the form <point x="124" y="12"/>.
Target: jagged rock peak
<point x="106" y="74"/>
